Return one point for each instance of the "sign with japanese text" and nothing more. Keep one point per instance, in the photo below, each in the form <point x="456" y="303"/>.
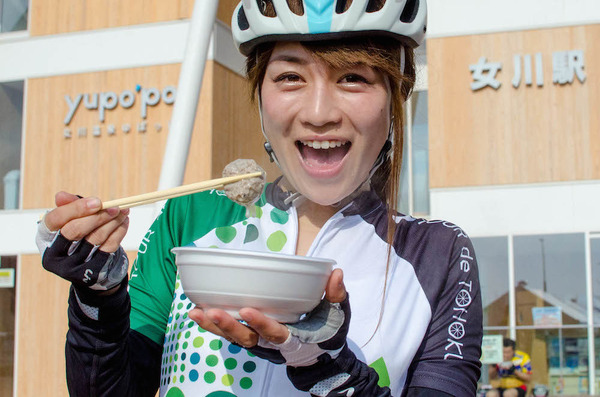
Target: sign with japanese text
<point x="547" y="316"/>
<point x="7" y="278"/>
<point x="491" y="349"/>
<point x="566" y="67"/>
<point x="515" y="107"/>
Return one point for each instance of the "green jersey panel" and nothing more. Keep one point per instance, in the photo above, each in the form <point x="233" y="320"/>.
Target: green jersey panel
<point x="153" y="274"/>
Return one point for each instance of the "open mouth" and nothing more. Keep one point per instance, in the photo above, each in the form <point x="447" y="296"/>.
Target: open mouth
<point x="323" y="154"/>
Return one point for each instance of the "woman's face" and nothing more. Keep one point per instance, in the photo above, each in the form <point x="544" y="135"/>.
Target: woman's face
<point x="326" y="126"/>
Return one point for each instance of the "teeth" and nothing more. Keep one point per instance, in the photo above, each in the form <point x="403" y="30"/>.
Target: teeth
<point x="323" y="144"/>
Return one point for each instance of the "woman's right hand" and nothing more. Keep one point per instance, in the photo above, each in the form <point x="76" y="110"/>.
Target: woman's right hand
<point x="78" y="218"/>
<point x="81" y="243"/>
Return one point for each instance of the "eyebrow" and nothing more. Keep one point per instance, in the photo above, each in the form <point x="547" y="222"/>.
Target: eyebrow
<point x="289" y="58"/>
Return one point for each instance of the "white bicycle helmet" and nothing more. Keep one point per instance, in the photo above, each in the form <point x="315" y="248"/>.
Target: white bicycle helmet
<point x="326" y="19"/>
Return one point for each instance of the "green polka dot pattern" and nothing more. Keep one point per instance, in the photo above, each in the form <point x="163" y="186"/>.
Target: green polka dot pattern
<point x="276" y="241"/>
<point x="212" y="360"/>
<point x="209" y="377"/>
<point x="279" y="216"/>
<point x="226" y="233"/>
<point x="227" y="380"/>
<point x="195" y="356"/>
<point x="245" y="383"/>
<point x="190" y="354"/>
<point x="251" y="234"/>
<point x="259" y="233"/>
<point x="216" y="344"/>
<point x="175" y="392"/>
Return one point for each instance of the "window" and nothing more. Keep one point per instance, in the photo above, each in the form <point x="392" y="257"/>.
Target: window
<point x="7" y="323"/>
<point x="13" y="15"/>
<point x="11" y="115"/>
<point x="559" y="358"/>
<point x="548" y="295"/>
<point x="492" y="258"/>
<point x="595" y="259"/>
<point x="414" y="180"/>
<point x="597" y="354"/>
<point x="550" y="271"/>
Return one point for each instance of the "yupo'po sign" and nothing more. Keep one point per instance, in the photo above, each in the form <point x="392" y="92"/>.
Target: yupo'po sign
<point x="103" y="101"/>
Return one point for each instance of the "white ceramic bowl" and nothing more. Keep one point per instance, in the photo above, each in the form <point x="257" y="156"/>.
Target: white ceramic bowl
<point x="282" y="286"/>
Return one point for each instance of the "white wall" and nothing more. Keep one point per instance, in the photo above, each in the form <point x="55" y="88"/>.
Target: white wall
<point x="520" y="209"/>
<point x="107" y="49"/>
<point x="465" y="17"/>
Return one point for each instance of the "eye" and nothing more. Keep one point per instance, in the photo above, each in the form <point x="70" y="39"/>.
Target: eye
<point x="287" y="78"/>
<point x="354" y="78"/>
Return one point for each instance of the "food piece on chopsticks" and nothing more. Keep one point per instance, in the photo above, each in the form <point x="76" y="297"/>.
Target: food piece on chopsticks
<point x="247" y="191"/>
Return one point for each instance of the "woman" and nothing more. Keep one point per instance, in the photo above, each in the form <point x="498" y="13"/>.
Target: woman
<point x="404" y="317"/>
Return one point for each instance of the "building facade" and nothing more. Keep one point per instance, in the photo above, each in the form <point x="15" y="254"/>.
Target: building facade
<point x="514" y="138"/>
<point x="502" y="138"/>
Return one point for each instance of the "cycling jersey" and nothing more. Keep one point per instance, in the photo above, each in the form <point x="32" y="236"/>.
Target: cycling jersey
<point x="522" y="363"/>
<point x="425" y="333"/>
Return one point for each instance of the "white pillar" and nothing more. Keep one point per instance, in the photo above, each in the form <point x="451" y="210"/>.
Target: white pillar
<point x="188" y="93"/>
<point x="512" y="306"/>
<point x="590" y="315"/>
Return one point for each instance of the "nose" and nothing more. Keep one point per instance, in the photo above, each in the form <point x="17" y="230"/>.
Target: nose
<point x="320" y="108"/>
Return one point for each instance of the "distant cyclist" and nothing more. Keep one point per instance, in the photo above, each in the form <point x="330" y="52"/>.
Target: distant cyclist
<point x="514" y="372"/>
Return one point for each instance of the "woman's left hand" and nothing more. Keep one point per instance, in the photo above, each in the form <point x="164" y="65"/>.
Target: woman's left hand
<point x="220" y="323"/>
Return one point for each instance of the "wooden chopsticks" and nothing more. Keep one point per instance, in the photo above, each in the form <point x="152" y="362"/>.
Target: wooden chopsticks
<point x="148" y="198"/>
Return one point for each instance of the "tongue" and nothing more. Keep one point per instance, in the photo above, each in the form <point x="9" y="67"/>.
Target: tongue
<point x="320" y="157"/>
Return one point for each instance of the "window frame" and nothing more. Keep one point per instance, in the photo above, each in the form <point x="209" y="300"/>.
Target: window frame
<point x="407" y="197"/>
<point x="591" y="326"/>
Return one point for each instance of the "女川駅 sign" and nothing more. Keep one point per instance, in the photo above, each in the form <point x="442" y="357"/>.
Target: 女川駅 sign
<point x="566" y="66"/>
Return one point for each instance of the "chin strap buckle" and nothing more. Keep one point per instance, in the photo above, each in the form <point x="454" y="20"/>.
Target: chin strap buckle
<point x="270" y="152"/>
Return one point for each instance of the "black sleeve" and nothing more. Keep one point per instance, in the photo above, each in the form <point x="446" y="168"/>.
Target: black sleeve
<point x="358" y="378"/>
<point x="448" y="358"/>
<point x="361" y="379"/>
<point x="103" y="356"/>
<point x="425" y="392"/>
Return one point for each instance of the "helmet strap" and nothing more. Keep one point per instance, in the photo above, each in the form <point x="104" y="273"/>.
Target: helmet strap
<point x="267" y="145"/>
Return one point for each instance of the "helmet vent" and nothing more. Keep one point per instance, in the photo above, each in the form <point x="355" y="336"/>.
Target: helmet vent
<point x="375" y="5"/>
<point x="266" y="8"/>
<point x="342" y="6"/>
<point x="242" y="20"/>
<point x="297" y="7"/>
<point x="410" y="11"/>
